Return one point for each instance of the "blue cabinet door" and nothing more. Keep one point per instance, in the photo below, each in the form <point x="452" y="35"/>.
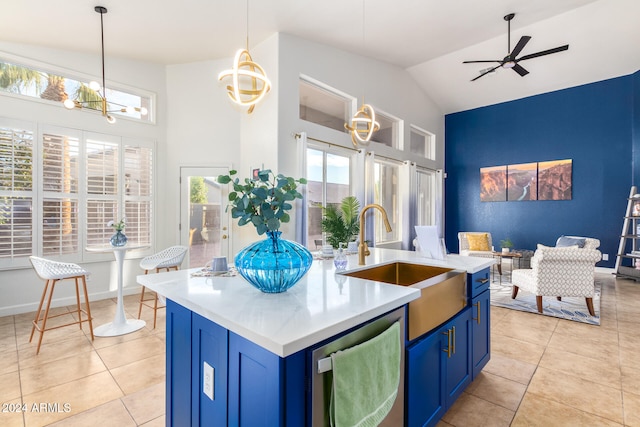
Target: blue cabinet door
<point x="425" y="370"/>
<point x="178" y="365"/>
<point x="458" y="363"/>
<point x="481" y="330"/>
<point x="209" y="344"/>
<point x="256" y="397"/>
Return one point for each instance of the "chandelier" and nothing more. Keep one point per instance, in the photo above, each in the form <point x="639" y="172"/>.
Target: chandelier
<point x="95" y="97"/>
<point x="363" y="123"/>
<point x="249" y="82"/>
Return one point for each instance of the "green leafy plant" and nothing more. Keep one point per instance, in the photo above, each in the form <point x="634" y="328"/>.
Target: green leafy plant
<point x="506" y="243"/>
<point x="118" y="226"/>
<point x="198" y="190"/>
<point x="263" y="202"/>
<point x="341" y="225"/>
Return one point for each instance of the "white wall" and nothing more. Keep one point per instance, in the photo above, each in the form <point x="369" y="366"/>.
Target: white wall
<point x="198" y="126"/>
<point x="20" y="289"/>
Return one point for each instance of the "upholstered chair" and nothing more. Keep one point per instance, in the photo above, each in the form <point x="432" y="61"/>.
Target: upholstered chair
<point x="561" y="272"/>
<point x="477" y="244"/>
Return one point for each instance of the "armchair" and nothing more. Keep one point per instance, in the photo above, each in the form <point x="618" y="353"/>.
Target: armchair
<point x="560" y="272"/>
<point x="476" y="245"/>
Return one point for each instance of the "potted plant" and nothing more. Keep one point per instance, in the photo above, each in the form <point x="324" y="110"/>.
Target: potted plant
<point x="506" y="245"/>
<point x="275" y="264"/>
<point x="341" y="223"/>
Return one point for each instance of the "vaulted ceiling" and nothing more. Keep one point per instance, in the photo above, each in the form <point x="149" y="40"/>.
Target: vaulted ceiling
<point x="429" y="38"/>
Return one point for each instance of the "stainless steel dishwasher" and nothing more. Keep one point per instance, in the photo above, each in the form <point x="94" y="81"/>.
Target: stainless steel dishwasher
<point x="321" y="378"/>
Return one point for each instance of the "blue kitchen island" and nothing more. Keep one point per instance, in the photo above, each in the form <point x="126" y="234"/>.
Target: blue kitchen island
<point x="237" y="356"/>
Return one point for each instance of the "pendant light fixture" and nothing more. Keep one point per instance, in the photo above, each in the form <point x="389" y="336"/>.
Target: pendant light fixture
<point x="97" y="94"/>
<point x="363" y="123"/>
<point x="249" y="82"/>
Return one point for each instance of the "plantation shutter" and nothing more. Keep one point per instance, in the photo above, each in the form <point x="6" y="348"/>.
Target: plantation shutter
<point x="138" y="165"/>
<point x="16" y="193"/>
<point x="60" y="172"/>
<point x="101" y="159"/>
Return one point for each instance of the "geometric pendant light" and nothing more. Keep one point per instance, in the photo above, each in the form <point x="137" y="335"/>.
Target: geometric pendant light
<point x="363" y="123"/>
<point x="249" y="82"/>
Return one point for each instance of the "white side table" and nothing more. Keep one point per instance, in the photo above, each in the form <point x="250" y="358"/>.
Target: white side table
<point x="120" y="325"/>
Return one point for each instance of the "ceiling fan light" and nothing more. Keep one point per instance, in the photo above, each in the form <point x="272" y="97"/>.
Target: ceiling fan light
<point x="509" y="64"/>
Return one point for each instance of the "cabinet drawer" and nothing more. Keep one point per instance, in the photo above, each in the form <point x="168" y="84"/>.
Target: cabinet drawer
<point x="478" y="282"/>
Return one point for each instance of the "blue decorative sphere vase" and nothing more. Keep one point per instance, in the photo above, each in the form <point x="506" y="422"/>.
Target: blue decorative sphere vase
<point x="118" y="239"/>
<point x="273" y="265"/>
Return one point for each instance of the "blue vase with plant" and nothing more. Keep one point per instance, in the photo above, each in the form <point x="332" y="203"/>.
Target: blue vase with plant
<point x="119" y="238"/>
<point x="272" y="265"/>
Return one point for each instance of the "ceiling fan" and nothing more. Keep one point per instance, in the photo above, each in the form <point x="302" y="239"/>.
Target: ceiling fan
<point x="512" y="60"/>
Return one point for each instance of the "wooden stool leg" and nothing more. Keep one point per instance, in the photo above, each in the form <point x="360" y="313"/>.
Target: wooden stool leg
<point x="539" y="303"/>
<point x="155" y="310"/>
<point x="590" y="306"/>
<point x="86" y="301"/>
<point x="78" y="303"/>
<point x="141" y="299"/>
<point x="46" y="316"/>
<point x="37" y="319"/>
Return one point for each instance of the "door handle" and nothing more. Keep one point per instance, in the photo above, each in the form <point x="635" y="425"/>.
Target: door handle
<point x="477" y="319"/>
<point x="448" y="349"/>
<point x="453" y="340"/>
<point x="482" y="281"/>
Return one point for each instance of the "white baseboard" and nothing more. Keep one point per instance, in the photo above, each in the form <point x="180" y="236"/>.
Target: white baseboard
<point x="61" y="302"/>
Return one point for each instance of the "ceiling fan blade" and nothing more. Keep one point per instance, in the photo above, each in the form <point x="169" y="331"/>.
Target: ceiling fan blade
<point x="521" y="44"/>
<point x="487" y="72"/>
<point x="520" y="70"/>
<point x="473" y="62"/>
<point x="544" y="52"/>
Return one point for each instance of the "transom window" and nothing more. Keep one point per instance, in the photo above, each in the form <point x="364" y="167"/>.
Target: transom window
<point x="34" y="82"/>
<point x="323" y="105"/>
<point x="422" y="143"/>
<point x="390" y="129"/>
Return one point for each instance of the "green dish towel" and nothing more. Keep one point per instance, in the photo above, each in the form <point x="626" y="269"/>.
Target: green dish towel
<point x="365" y="380"/>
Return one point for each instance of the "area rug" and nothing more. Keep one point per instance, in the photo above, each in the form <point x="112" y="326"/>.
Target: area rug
<point x="570" y="308"/>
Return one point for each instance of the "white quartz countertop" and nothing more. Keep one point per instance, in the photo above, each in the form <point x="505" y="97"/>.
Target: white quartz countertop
<point x="321" y="305"/>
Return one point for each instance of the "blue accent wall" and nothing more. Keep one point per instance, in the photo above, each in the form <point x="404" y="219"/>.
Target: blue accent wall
<point x="596" y="125"/>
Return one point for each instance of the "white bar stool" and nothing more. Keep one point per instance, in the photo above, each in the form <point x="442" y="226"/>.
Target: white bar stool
<point x="167" y="259"/>
<point x="52" y="272"/>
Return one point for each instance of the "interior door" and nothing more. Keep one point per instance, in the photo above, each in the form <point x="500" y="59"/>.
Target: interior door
<point x="204" y="222"/>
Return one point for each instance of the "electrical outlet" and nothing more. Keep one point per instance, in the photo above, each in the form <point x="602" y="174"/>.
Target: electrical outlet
<point x="207" y="380"/>
<point x="605" y="257"/>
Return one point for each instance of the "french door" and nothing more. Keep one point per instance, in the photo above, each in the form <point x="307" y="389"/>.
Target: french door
<point x="204" y="222"/>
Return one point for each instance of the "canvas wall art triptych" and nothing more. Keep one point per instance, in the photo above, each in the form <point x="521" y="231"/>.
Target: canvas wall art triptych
<point x="550" y="180"/>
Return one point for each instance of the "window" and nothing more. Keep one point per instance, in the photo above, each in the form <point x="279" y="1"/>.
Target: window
<point x="36" y="82"/>
<point x="323" y="105"/>
<point x="425" y="197"/>
<point x="422" y="143"/>
<point x="328" y="182"/>
<point x="59" y="190"/>
<point x="390" y="129"/>
<point x="386" y="190"/>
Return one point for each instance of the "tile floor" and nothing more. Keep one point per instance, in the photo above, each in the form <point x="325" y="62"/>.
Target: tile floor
<point x="543" y="371"/>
